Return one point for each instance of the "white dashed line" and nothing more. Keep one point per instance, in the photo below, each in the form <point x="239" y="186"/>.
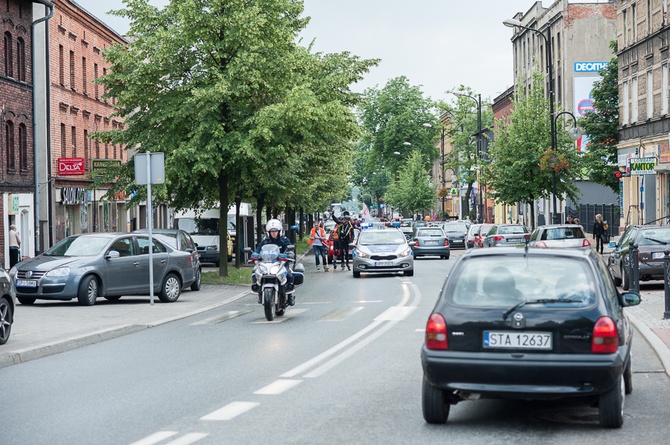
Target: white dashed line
<point x="155" y="438"/>
<point x="230" y="411"/>
<point x="278" y="387"/>
<point x="188" y="439"/>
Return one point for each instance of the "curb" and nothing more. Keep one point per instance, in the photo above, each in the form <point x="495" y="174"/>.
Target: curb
<point x="654" y="340"/>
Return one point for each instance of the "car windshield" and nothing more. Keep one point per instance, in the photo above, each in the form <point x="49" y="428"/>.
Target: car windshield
<point x="78" y="246"/>
<point x="488" y="281"/>
<point x="456" y="227"/>
<point x="381" y="237"/>
<point x="654" y="236"/>
<point x="430" y="232"/>
<point x="562" y="233"/>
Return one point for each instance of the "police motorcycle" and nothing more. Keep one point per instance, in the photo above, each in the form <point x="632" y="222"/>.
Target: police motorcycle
<point x="270" y="278"/>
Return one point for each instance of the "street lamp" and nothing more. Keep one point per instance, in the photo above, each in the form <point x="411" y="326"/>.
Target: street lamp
<point x="511" y="23"/>
<point x="444" y="181"/>
<point x="478" y="101"/>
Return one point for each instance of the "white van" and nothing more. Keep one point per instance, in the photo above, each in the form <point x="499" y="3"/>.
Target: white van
<point x="203" y="226"/>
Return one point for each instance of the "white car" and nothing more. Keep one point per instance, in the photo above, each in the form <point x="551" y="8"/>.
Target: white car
<point x="381" y="249"/>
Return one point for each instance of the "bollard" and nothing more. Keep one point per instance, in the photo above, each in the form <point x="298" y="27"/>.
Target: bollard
<point x="634" y="273"/>
<point x="666" y="281"/>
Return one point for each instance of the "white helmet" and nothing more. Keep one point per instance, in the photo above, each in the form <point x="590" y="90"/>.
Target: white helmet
<point x="273" y="224"/>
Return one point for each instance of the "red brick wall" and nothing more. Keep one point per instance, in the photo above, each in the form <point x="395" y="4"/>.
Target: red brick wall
<point x="581" y="11"/>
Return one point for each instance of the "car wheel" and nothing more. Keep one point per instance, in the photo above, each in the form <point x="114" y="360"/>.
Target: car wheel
<point x="198" y="278"/>
<point x="27" y="301"/>
<point x="435" y="407"/>
<point x="357" y="274"/>
<point x="230" y="258"/>
<point x="446" y="257"/>
<point x="171" y="289"/>
<point x="6" y="317"/>
<point x="217" y="263"/>
<point x="628" y="377"/>
<point x="611" y="405"/>
<point x="408" y="273"/>
<point x="625" y="280"/>
<point x="88" y="291"/>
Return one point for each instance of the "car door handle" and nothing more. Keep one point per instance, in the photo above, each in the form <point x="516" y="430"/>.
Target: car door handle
<point x="163" y="261"/>
<point x="136" y="263"/>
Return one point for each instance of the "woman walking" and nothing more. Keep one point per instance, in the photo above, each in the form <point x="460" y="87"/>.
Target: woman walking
<point x="599" y="232"/>
<point x="318" y="240"/>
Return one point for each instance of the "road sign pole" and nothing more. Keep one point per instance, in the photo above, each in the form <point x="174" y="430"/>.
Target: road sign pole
<point x="149" y="227"/>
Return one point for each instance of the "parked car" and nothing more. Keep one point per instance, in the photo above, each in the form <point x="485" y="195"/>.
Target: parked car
<point x="652" y="241"/>
<point x="481" y="234"/>
<point x="528" y="324"/>
<point x="407" y="231"/>
<point x="500" y="235"/>
<point x="472" y="234"/>
<point x="457" y="232"/>
<point x="431" y="241"/>
<point x="559" y="236"/>
<point x="382" y="249"/>
<point x="7" y="305"/>
<point x="110" y="265"/>
<point x="181" y="240"/>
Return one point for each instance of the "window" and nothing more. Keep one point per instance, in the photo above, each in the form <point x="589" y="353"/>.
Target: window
<point x="72" y="70"/>
<point x="650" y="94"/>
<point x="61" y="65"/>
<point x="9" y="145"/>
<point x="23" y="147"/>
<point x="624" y="19"/>
<point x="633" y="17"/>
<point x="633" y="96"/>
<point x="62" y="141"/>
<point x="21" y="59"/>
<point x="9" y="60"/>
<point x="649" y="27"/>
<point x="664" y="89"/>
<point x="74" y="141"/>
<point x="84" y="81"/>
<point x="95" y="76"/>
<point x="626" y="104"/>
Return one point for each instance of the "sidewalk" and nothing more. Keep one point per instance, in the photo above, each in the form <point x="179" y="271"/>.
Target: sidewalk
<point x="48" y="327"/>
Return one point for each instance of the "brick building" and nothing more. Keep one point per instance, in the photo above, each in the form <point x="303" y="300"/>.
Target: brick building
<point x="77" y="41"/>
<point x="17" y="166"/>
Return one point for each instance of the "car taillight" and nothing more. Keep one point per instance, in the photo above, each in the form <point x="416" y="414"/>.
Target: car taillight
<point x="436" y="333"/>
<point x="605" y="337"/>
<point x="446" y="242"/>
<point x="586" y="243"/>
<point x="416" y="240"/>
<point x="526" y="236"/>
<point x="498" y="238"/>
<point x="541" y="244"/>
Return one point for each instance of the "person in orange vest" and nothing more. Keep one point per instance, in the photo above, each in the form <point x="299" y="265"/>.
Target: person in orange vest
<point x="335" y="242"/>
<point x="317" y="238"/>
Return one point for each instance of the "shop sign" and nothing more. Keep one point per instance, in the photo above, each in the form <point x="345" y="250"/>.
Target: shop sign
<point x="70" y="166"/>
<point x="100" y="166"/>
<point x="73" y="195"/>
<point x="14" y="206"/>
<point x="642" y="166"/>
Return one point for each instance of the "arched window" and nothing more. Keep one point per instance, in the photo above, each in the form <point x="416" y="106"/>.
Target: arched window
<point x="23" y="147"/>
<point x="9" y="60"/>
<point x="9" y="145"/>
<point x="21" y="59"/>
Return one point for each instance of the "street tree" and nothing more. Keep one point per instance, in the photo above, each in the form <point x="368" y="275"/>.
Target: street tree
<point x="412" y="190"/>
<point x="601" y="127"/>
<point x="239" y="108"/>
<point x="521" y="160"/>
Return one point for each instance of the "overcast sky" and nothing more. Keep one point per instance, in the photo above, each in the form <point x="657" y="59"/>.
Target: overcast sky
<point x="436" y="44"/>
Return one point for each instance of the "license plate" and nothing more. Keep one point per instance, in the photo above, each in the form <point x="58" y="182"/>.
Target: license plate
<point x="517" y="340"/>
<point x="383" y="263"/>
<point x="431" y="243"/>
<point x="658" y="255"/>
<point x="26" y="283"/>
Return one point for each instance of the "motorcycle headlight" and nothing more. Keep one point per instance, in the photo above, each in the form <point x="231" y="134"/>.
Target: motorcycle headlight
<point x="60" y="272"/>
<point x="406" y="252"/>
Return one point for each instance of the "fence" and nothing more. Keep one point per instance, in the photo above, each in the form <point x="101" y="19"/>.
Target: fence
<point x="587" y="216"/>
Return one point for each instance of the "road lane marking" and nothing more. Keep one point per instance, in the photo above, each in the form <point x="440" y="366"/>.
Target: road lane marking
<point x="340" y="314"/>
<point x="287" y="316"/>
<point x="278" y="387"/>
<point x="155" y="438"/>
<point x="230" y="411"/>
<point x="188" y="439"/>
<point x="221" y="318"/>
<point x="396" y="313"/>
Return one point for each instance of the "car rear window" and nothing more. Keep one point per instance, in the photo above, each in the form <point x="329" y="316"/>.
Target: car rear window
<point x="512" y="229"/>
<point x="562" y="233"/>
<point x="456" y="227"/>
<point x="479" y="281"/>
<point x="649" y="237"/>
<point x="430" y="232"/>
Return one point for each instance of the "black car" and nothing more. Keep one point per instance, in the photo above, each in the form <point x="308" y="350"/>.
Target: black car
<point x="7" y="305"/>
<point x="651" y="241"/>
<point x="457" y="232"/>
<point x="528" y="324"/>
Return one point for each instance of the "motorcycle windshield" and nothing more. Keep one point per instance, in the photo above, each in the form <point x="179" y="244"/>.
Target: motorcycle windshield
<point x="269" y="253"/>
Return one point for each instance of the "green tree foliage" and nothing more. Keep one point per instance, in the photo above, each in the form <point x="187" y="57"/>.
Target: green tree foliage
<point x="412" y="190"/>
<point x="516" y="171"/>
<point x="601" y="127"/>
<point x="391" y="118"/>
<point x="237" y="106"/>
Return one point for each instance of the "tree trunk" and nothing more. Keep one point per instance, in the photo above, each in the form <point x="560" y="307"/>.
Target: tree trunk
<point x="223" y="224"/>
<point x="260" y="201"/>
<point x="236" y="247"/>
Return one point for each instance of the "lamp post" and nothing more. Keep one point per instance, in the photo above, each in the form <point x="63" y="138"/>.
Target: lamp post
<point x="511" y="23"/>
<point x="478" y="101"/>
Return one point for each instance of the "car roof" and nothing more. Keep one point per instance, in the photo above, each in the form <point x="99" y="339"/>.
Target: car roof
<point x="521" y="250"/>
<point x="554" y="226"/>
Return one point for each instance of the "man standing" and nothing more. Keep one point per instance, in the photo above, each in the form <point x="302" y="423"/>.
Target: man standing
<point x="346" y="236"/>
<point x="14" y="246"/>
<point x="318" y="240"/>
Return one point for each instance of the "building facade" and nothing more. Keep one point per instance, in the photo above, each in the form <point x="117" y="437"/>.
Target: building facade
<point x="79" y="108"/>
<point x="644" y="132"/>
<point x="579" y="36"/>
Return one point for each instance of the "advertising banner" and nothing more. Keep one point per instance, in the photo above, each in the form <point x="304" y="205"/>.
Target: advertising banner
<point x="70" y="166"/>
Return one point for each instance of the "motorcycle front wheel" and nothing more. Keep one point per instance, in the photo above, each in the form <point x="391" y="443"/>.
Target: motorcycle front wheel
<point x="268" y="303"/>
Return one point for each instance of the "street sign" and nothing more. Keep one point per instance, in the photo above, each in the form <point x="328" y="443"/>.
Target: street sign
<point x="157" y="168"/>
<point x="454" y="191"/>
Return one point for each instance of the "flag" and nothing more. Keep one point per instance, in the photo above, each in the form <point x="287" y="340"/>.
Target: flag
<point x="366" y="212"/>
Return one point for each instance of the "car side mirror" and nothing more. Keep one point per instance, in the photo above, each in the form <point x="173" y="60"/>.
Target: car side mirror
<point x="611" y="244"/>
<point x="630" y="299"/>
<point x="412" y="243"/>
<point x="112" y="254"/>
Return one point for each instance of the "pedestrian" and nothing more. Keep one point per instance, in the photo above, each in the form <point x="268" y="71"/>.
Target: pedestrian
<point x="576" y="221"/>
<point x="14" y="246"/>
<point x="317" y="238"/>
<point x="346" y="236"/>
<point x="570" y="220"/>
<point x="599" y="232"/>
